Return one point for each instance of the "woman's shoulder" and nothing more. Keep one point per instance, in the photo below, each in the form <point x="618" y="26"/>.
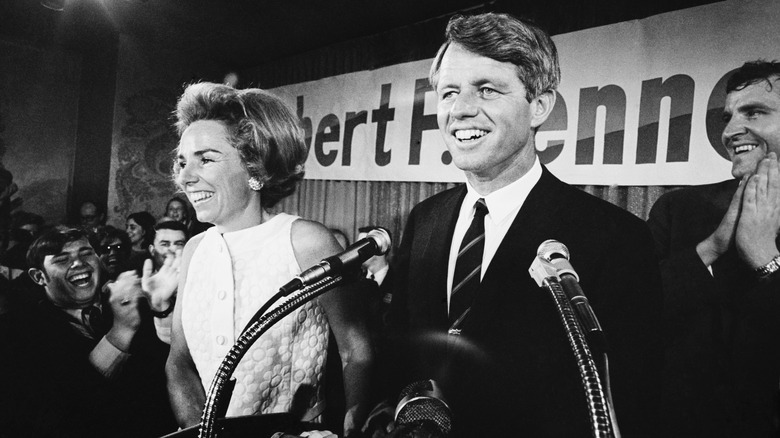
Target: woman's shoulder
<point x="311" y="239"/>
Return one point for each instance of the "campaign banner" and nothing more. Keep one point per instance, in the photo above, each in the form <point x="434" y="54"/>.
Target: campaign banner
<point x="640" y="103"/>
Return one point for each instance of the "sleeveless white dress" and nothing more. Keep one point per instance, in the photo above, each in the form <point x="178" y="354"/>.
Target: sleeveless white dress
<point x="230" y="277"/>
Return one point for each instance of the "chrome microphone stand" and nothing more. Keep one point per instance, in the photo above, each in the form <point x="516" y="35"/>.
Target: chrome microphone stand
<point x="601" y="415"/>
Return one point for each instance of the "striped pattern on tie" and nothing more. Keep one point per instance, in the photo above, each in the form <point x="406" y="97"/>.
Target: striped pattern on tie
<point x="468" y="265"/>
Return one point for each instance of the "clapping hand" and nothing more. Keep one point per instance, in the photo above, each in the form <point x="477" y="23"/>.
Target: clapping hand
<point x="759" y="219"/>
<point x="160" y="287"/>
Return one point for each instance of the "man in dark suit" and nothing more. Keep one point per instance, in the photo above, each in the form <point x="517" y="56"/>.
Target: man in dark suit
<point x="81" y="363"/>
<point x="500" y="354"/>
<point x="719" y="256"/>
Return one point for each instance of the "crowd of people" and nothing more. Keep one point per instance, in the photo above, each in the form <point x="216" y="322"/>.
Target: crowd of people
<point x="108" y="332"/>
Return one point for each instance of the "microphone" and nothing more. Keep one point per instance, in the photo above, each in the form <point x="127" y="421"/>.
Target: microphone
<point x="377" y="242"/>
<point x="422" y="412"/>
<point x="557" y="254"/>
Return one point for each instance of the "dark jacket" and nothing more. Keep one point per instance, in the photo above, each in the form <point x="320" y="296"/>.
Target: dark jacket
<point x="517" y="375"/>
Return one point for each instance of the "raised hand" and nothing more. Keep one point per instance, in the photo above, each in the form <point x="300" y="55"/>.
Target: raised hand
<point x="759" y="220"/>
<point x="123" y="299"/>
<point x="717" y="243"/>
<point x="160" y="287"/>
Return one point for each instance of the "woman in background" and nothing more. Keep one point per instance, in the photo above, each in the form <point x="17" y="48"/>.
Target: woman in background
<point x="240" y="153"/>
<point x="140" y="229"/>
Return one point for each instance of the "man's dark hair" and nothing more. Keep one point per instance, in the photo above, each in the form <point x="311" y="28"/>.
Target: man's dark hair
<point x="753" y="72"/>
<point x="51" y="242"/>
<point x="172" y="225"/>
<point x="505" y="38"/>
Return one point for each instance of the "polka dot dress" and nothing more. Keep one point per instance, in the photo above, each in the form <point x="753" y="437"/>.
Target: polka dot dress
<point x="230" y="276"/>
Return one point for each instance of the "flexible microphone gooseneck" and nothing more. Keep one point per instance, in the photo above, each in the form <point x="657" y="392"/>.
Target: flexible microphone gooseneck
<point x="377" y="242"/>
<point x="558" y="255"/>
<point x="549" y="276"/>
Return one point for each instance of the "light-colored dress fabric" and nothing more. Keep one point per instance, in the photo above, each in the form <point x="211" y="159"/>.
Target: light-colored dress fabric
<point x="230" y="277"/>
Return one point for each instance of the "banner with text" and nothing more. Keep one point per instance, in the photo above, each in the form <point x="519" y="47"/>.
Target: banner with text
<point x="640" y="103"/>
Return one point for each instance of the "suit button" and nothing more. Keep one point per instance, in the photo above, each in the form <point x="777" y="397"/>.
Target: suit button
<point x="221" y="340"/>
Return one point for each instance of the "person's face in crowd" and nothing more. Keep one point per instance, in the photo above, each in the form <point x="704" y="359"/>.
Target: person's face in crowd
<point x="484" y="116"/>
<point x="752" y="117"/>
<point x="176" y="210"/>
<point x="72" y="276"/>
<point x="113" y="255"/>
<point x="135" y="231"/>
<point x="214" y="178"/>
<point x="89" y="215"/>
<point x="166" y="242"/>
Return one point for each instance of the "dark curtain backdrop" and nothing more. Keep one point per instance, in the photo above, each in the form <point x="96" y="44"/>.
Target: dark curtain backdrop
<point x="348" y="205"/>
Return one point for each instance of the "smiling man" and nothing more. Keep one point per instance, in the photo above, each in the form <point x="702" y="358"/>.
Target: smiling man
<point x="463" y="263"/>
<point x="720" y="261"/>
<point x="83" y="363"/>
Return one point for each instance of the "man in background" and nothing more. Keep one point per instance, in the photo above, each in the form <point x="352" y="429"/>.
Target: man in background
<point x="169" y="240"/>
<point x="719" y="256"/>
<point x="91" y="216"/>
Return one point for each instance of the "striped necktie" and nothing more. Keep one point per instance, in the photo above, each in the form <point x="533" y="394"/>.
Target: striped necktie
<point x="468" y="265"/>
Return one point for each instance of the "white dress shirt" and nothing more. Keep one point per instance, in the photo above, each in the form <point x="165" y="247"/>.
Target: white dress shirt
<point x="503" y="205"/>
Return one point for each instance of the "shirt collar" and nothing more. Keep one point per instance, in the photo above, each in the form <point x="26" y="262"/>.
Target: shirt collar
<point x="379" y="276"/>
<point x="508" y="199"/>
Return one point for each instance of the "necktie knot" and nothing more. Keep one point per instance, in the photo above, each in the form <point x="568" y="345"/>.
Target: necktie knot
<point x="480" y="209"/>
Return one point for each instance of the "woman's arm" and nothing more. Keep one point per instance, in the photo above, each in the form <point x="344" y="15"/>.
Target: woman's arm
<point x="311" y="243"/>
<point x="184" y="387"/>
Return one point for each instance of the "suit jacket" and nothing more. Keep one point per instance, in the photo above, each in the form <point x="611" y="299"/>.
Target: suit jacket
<point x="50" y="389"/>
<point x="514" y="373"/>
<point x="723" y="329"/>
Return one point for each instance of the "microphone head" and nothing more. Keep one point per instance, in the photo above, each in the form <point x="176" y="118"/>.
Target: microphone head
<point x="422" y="402"/>
<point x="382" y="240"/>
<point x="552" y="249"/>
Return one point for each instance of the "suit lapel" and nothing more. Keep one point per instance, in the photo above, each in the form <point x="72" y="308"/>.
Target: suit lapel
<point x="531" y="226"/>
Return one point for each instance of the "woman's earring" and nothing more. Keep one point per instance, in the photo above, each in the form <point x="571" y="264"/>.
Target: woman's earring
<point x="255" y="184"/>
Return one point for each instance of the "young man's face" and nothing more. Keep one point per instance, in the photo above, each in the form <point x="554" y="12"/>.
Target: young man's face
<point x="166" y="242"/>
<point x="753" y="125"/>
<point x="486" y="121"/>
<point x="72" y="276"/>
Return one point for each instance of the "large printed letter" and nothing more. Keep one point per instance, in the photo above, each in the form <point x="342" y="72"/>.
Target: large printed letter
<point x="614" y="99"/>
<point x="353" y="120"/>
<point x="328" y="130"/>
<point x="420" y="121"/>
<point x="381" y="116"/>
<point x="305" y="121"/>
<point x="679" y="88"/>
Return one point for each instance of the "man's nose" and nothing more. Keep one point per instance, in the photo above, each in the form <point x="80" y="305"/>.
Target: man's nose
<point x="734" y="128"/>
<point x="464" y="105"/>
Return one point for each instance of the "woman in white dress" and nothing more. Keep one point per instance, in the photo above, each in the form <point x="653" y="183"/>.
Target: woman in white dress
<point x="240" y="152"/>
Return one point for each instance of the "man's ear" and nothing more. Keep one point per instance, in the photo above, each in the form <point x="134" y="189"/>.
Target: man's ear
<point x="541" y="108"/>
<point x="38" y="276"/>
<point x="151" y="249"/>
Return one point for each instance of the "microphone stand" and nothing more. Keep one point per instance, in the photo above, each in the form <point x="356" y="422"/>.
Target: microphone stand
<point x="217" y="399"/>
<point x="600" y="409"/>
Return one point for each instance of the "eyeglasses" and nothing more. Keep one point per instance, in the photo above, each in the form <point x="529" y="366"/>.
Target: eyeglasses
<point x="105" y="249"/>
